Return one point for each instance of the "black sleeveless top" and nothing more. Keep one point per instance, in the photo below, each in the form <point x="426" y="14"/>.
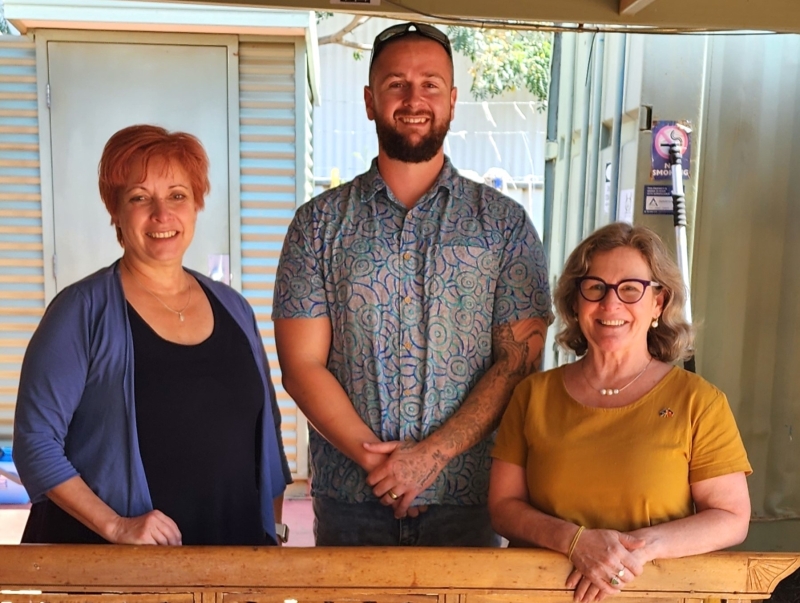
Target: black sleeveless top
<point x="198" y="419"/>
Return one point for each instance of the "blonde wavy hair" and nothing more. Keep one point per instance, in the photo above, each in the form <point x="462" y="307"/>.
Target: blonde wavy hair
<point x="673" y="339"/>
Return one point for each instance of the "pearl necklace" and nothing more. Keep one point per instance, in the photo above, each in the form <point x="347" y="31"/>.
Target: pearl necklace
<point x="612" y="391"/>
<point x="161" y="301"/>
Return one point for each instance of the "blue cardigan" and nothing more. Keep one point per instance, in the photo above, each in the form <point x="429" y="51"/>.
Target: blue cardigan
<point x="75" y="408"/>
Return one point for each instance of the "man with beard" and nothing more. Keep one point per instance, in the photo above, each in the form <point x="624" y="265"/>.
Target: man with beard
<point x="408" y="304"/>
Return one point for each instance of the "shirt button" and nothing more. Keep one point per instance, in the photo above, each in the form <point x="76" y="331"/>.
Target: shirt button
<point x="406" y="256"/>
<point x="407" y="299"/>
<point x="408" y="345"/>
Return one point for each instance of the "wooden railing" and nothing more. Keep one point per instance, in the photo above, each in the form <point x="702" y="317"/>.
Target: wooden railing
<point x="115" y="574"/>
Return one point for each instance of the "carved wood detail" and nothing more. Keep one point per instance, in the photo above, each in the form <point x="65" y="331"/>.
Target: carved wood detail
<point x="764" y="573"/>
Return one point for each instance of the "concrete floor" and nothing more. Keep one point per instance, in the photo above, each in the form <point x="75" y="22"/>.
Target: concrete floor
<point x="12" y="522"/>
<point x="297" y="513"/>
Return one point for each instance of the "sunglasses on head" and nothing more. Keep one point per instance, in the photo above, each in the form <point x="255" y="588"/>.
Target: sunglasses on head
<point x="403" y="29"/>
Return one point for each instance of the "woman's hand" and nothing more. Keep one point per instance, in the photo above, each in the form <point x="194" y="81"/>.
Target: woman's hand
<point x="605" y="561"/>
<point x="77" y="499"/>
<point x="151" y="528"/>
<point x="585" y="590"/>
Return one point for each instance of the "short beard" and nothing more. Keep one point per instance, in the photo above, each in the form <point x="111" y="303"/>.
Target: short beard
<point x="397" y="147"/>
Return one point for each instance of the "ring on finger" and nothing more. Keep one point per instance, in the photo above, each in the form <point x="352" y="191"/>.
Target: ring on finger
<point x="392" y="495"/>
<point x="614" y="581"/>
<point x="621" y="572"/>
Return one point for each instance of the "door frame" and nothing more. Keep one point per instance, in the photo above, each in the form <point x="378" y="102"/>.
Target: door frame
<point x="42" y="38"/>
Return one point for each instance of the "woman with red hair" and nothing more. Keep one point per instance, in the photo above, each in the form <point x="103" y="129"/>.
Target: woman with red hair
<point x="146" y="413"/>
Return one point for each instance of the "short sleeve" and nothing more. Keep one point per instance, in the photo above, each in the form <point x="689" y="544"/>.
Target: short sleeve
<point x="717" y="447"/>
<point x="299" y="285"/>
<point x="522" y="289"/>
<point x="511" y="445"/>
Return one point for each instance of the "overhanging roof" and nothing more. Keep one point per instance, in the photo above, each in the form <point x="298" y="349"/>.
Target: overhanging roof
<point x="769" y="15"/>
<point x="169" y="16"/>
<point x="133" y="15"/>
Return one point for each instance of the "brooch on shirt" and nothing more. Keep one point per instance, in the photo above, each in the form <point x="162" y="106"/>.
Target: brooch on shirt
<point x="666" y="412"/>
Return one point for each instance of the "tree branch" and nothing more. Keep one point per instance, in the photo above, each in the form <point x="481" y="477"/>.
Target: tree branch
<point x="356" y="45"/>
<point x="338" y="37"/>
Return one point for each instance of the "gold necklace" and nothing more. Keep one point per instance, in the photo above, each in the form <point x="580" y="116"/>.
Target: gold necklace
<point x="161" y="301"/>
<point x="612" y="391"/>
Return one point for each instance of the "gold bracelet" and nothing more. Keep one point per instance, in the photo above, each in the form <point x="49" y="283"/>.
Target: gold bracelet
<point x="574" y="542"/>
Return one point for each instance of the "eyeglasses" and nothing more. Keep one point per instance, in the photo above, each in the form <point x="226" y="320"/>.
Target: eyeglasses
<point x="629" y="290"/>
<point x="403" y="29"/>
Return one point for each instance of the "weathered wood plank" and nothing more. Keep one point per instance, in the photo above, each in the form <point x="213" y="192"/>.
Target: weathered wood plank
<point x="106" y="598"/>
<point x="481" y="575"/>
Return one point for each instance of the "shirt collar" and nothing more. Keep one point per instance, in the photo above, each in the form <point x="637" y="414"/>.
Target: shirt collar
<point x="372" y="182"/>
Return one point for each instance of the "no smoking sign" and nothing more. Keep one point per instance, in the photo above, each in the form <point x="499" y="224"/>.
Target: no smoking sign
<point x="666" y="133"/>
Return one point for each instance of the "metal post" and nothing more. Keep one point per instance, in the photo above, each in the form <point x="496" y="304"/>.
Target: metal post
<point x="679" y="216"/>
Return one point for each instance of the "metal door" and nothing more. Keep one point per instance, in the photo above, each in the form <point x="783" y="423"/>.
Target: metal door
<point x="93" y="92"/>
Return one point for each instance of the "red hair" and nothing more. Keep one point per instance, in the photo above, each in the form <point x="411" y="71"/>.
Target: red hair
<point x="133" y="148"/>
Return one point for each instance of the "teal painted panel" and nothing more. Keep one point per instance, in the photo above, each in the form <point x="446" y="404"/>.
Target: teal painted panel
<point x="267" y="126"/>
<point x="21" y="261"/>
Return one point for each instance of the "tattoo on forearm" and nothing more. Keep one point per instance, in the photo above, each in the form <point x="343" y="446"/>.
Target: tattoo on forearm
<point x="517" y="351"/>
<point x="512" y="347"/>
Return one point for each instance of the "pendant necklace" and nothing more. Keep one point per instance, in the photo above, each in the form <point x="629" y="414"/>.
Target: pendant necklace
<point x="613" y="391"/>
<point x="161" y="301"/>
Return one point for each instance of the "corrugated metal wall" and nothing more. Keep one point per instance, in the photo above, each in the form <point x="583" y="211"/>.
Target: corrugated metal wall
<point x="747" y="265"/>
<point x="268" y="124"/>
<point x="567" y="226"/>
<point x="21" y="266"/>
<point x="583" y="142"/>
<point x="612" y="87"/>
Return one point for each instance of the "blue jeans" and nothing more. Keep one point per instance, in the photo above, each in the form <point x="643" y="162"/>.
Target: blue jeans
<point x="371" y="524"/>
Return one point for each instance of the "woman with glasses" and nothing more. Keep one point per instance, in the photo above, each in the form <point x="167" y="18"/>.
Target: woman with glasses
<point x="620" y="457"/>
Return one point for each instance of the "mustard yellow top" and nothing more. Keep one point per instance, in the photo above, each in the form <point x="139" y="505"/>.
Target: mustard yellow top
<point x="619" y="468"/>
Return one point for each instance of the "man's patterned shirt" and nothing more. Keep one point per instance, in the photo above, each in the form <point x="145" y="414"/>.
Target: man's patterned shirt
<point x="412" y="295"/>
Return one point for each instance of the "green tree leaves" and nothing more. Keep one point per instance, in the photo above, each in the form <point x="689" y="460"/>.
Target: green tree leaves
<point x="4" y="27"/>
<point x="505" y="60"/>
